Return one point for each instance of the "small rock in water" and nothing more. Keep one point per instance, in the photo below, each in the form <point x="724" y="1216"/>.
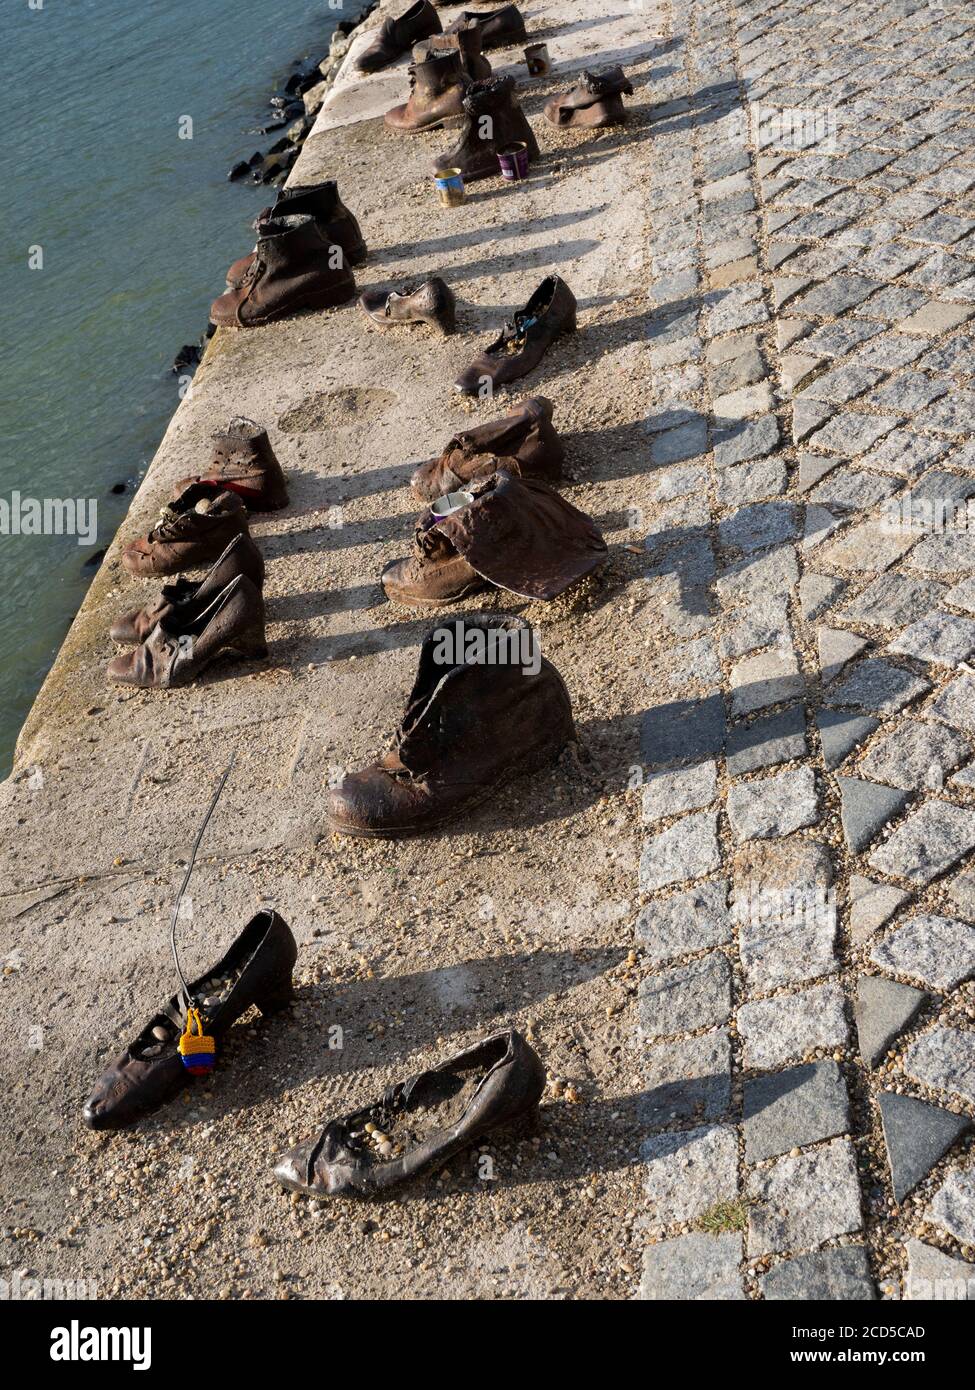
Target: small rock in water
<point x="238" y="170"/>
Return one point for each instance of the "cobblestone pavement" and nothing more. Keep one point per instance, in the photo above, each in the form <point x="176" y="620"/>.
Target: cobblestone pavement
<point x="807" y="893"/>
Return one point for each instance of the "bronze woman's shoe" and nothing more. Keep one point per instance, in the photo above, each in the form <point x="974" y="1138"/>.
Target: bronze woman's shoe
<point x="187" y="640"/>
<point x="244" y="462"/>
<point x="493" y="120"/>
<point x="295" y="268"/>
<point x="466" y="41"/>
<point x="437" y="87"/>
<point x="525" y="435"/>
<point x="419" y="1124"/>
<point x="498" y="27"/>
<point x="397" y="36"/>
<point x="513" y="532"/>
<point x="522" y="344"/>
<point x="595" y="100"/>
<point x="256" y="970"/>
<point x="192" y="531"/>
<point x="185" y="600"/>
<point x="320" y="201"/>
<point x="485" y="707"/>
<point x="431" y="302"/>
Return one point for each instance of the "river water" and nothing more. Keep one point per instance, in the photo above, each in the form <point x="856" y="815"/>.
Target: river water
<point x="117" y="233"/>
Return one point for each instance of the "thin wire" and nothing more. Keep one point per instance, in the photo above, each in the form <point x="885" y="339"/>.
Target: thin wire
<point x="189" y="870"/>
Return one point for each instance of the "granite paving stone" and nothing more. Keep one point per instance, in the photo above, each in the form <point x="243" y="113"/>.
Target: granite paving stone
<point x="933" y="1276"/>
<point x="944" y="1060"/>
<point x="685" y="729"/>
<point x="871" y="905"/>
<point x="819" y="592"/>
<point x="766" y="679"/>
<point x="865" y="808"/>
<point x="788" y="1027"/>
<point x="953" y="1206"/>
<point x="916" y="754"/>
<point x="689" y="1172"/>
<point x="686" y="922"/>
<point x="837" y="648"/>
<point x="694" y="1267"/>
<point x="682" y="789"/>
<point x="686" y="850"/>
<point x="928" y="842"/>
<point x="838" y="1275"/>
<point x="917" y="1136"/>
<point x="802" y="1202"/>
<point x="686" y="997"/>
<point x="883" y="1011"/>
<point x="841" y="733"/>
<point x="775" y="738"/>
<point x="793" y="1108"/>
<point x="868" y="547"/>
<point x="937" y="951"/>
<point x="688" y="1079"/>
<point x="772" y="806"/>
<point x="879" y="685"/>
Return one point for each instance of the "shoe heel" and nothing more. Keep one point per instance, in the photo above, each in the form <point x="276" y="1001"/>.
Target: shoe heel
<point x="570" y="323"/>
<point x="276" y="998"/>
<point x="250" y="645"/>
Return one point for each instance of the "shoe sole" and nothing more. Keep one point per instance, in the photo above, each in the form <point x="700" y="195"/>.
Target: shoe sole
<point x="401" y="833"/>
<point x="399" y="602"/>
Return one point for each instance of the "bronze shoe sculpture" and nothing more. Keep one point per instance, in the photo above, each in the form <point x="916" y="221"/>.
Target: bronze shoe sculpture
<point x="498" y="27"/>
<point x="320" y="201"/>
<point x="397" y="36"/>
<point x="430" y="302"/>
<point x="185" y="600"/>
<point x="256" y="970"/>
<point x="485" y="707"/>
<point x="192" y="531"/>
<point x="185" y="642"/>
<point x="493" y="120"/>
<point x="513" y="532"/>
<point x="295" y="268"/>
<point x="525" y="436"/>
<point x="522" y="344"/>
<point x="437" y="87"/>
<point x="466" y="41"/>
<point x="596" y="100"/>
<point x="244" y="462"/>
<point x="419" y="1124"/>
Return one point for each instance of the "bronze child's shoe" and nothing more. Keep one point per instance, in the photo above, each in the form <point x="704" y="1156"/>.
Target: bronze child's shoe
<point x="524" y="437"/>
<point x="595" y="101"/>
<point x="493" y="120"/>
<point x="244" y="462"/>
<point x="420" y="1123"/>
<point x="192" y="531"/>
<point x="522" y="344"/>
<point x="485" y="707"/>
<point x="437" y="87"/>
<point x="397" y="36"/>
<point x="320" y="201"/>
<point x="185" y="600"/>
<point x="187" y="640"/>
<point x="431" y="302"/>
<point x="295" y="268"/>
<point x="466" y="41"/>
<point x="256" y="970"/>
<point x="498" y="27"/>
<point x="513" y="532"/>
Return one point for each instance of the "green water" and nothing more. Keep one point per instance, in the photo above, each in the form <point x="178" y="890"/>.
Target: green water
<point x="135" y="228"/>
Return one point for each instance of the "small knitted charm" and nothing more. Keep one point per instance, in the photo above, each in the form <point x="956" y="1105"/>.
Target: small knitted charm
<point x="196" y="1048"/>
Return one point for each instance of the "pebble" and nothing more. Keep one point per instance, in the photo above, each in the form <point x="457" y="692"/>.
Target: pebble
<point x="160" y="1033"/>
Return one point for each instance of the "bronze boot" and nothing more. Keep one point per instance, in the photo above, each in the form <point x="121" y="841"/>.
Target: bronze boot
<point x="320" y="201"/>
<point x="437" y="87"/>
<point x="256" y="970"/>
<point x="516" y="533"/>
<point x="193" y="530"/>
<point x="420" y="1123"/>
<point x="467" y="42"/>
<point x="244" y="462"/>
<point x="295" y="268"/>
<point x="185" y="600"/>
<point x="431" y="302"/>
<point x="498" y="27"/>
<point x="187" y="640"/>
<point x="397" y="36"/>
<point x="525" y="437"/>
<point x="595" y="101"/>
<point x="492" y="120"/>
<point x="521" y="346"/>
<point x="485" y="707"/>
